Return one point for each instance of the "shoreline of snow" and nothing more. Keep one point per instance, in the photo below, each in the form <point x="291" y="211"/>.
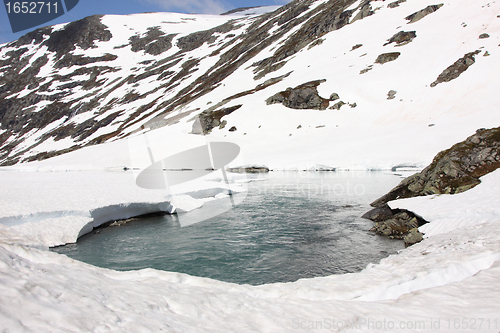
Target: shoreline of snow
<point x="46" y="209"/>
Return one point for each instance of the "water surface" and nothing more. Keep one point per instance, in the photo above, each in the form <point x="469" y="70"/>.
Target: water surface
<point x="291" y="225"/>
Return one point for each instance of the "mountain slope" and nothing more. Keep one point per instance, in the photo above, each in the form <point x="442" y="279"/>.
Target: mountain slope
<point x="412" y="77"/>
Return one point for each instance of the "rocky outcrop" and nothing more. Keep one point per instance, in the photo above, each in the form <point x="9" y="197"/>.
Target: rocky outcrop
<point x="304" y="96"/>
<point x="154" y="42"/>
<point x="402" y="38"/>
<point x="454" y="71"/>
<point x="395" y="3"/>
<point x="208" y="120"/>
<point x="398" y="224"/>
<point x="417" y="16"/>
<point x="452" y="171"/>
<point x="387" y="57"/>
<point x="83" y="33"/>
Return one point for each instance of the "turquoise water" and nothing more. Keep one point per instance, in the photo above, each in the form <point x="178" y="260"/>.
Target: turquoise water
<point x="290" y="226"/>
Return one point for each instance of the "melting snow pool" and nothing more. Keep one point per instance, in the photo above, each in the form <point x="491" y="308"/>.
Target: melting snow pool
<point x="291" y="225"/>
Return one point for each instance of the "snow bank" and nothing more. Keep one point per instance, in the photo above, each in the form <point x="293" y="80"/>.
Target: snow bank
<point x="55" y="208"/>
<point x="446" y="212"/>
<point x="448" y="280"/>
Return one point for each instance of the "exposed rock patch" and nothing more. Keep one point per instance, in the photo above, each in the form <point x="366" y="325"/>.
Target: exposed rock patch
<point x="208" y="120"/>
<point x="78" y="60"/>
<point x="82" y="33"/>
<point x="337" y="105"/>
<point x="387" y="57"/>
<point x="364" y="11"/>
<point x="155" y="42"/>
<point x="197" y="39"/>
<point x="391" y="94"/>
<point x="304" y="96"/>
<point x="398" y="224"/>
<point x="453" y="170"/>
<point x="417" y="16"/>
<point x="395" y="3"/>
<point x="483" y="36"/>
<point x="402" y="38"/>
<point x="454" y="71"/>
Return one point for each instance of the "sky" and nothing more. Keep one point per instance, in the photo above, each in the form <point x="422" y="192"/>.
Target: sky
<point x="90" y="7"/>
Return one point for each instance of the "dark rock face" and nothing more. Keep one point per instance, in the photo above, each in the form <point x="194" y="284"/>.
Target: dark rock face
<point x="398" y="225"/>
<point x="454" y="71"/>
<point x="387" y="57"/>
<point x="154" y="42"/>
<point x="379" y="214"/>
<point x="395" y="3"/>
<point x="78" y="60"/>
<point x="82" y="33"/>
<point x="402" y="38"/>
<point x="413" y="237"/>
<point x="417" y="16"/>
<point x="304" y="96"/>
<point x="365" y="11"/>
<point x="483" y="36"/>
<point x="391" y="94"/>
<point x="453" y="170"/>
<point x="208" y="120"/>
<point x="197" y="39"/>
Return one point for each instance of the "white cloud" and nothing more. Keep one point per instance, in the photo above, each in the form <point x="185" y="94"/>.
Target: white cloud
<point x="193" y="6"/>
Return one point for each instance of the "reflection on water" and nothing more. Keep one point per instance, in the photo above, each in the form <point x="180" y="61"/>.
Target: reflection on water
<point x="290" y="225"/>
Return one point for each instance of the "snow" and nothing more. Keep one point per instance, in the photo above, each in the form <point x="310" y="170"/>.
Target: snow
<point x="448" y="282"/>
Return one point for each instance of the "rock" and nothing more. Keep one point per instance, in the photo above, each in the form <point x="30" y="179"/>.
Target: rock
<point x="304" y="96"/>
<point x="154" y="42"/>
<point x="387" y="57"/>
<point x="379" y="214"/>
<point x="391" y="94"/>
<point x="337" y="106"/>
<point x="454" y="170"/>
<point x="209" y="119"/>
<point x="414" y="236"/>
<point x="454" y="71"/>
<point x="249" y="169"/>
<point x="233" y="129"/>
<point x="395" y="3"/>
<point x="398" y="225"/>
<point x="364" y="11"/>
<point x="82" y="33"/>
<point x="483" y="36"/>
<point x="417" y="16"/>
<point x="402" y="38"/>
<point x="334" y="97"/>
<point x="357" y="46"/>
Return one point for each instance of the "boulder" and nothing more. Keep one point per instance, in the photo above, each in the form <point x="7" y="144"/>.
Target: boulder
<point x="453" y="170"/>
<point x="304" y="96"/>
<point x="413" y="237"/>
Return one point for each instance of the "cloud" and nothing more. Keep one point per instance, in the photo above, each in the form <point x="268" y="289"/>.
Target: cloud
<point x="193" y="6"/>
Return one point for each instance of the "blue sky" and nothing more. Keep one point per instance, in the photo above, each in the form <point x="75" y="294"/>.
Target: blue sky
<point x="91" y="7"/>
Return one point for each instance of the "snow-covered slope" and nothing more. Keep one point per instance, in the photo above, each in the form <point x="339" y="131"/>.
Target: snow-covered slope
<point x="63" y="88"/>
